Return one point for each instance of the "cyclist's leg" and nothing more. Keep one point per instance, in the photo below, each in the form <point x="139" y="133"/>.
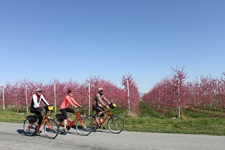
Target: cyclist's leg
<point x="70" y="110"/>
<point x="37" y="112"/>
<point x="101" y="120"/>
<point x="39" y="115"/>
<point x="100" y="111"/>
<point x="63" y="111"/>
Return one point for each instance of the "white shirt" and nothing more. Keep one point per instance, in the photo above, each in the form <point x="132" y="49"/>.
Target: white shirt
<point x="36" y="101"/>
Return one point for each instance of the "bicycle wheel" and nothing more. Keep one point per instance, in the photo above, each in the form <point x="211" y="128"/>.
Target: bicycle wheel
<point x="51" y="129"/>
<point x="29" y="128"/>
<point x="93" y="122"/>
<point x="60" y="125"/>
<point x="84" y="126"/>
<point x="115" y="124"/>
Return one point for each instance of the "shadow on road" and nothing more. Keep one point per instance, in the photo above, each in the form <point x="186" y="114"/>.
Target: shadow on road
<point x="21" y="132"/>
<point x="101" y="130"/>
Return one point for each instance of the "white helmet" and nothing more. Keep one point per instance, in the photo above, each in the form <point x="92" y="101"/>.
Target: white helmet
<point x="38" y="90"/>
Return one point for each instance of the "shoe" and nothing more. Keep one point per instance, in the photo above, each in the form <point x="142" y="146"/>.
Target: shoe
<point x="38" y="132"/>
<point x="34" y="126"/>
<point x="98" y="126"/>
<point x="103" y="128"/>
<point x="64" y="132"/>
<point x="68" y="128"/>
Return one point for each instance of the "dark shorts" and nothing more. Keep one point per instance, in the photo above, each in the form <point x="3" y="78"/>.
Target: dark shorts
<point x="37" y="112"/>
<point x="98" y="109"/>
<point x="64" y="112"/>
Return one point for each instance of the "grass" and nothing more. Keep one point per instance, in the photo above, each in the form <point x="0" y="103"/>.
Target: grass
<point x="11" y="116"/>
<point x="186" y="126"/>
<point x="195" y="121"/>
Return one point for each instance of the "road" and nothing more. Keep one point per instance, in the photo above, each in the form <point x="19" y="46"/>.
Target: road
<point x="13" y="138"/>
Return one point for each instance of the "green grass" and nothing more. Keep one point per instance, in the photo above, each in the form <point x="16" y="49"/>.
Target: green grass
<point x="213" y="126"/>
<point x="11" y="116"/>
<point x="195" y="121"/>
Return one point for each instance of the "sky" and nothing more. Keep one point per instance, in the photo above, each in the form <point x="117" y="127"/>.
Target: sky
<point x="43" y="40"/>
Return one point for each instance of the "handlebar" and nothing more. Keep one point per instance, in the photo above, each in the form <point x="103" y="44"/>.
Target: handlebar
<point x="78" y="107"/>
<point x="112" y="105"/>
<point x="48" y="108"/>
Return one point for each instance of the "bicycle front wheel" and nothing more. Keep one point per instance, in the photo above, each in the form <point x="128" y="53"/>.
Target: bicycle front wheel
<point x="51" y="129"/>
<point x="93" y="122"/>
<point x="60" y="125"/>
<point x="84" y="126"/>
<point x="28" y="128"/>
<point x="115" y="124"/>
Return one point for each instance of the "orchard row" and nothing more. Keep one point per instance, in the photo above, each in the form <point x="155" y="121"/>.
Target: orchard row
<point x="19" y="93"/>
<point x="175" y="92"/>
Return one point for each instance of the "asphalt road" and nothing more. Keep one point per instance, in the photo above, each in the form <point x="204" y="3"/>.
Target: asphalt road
<point x="13" y="138"/>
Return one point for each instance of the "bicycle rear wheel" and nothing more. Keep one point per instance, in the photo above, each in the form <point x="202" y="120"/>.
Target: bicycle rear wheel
<point x="28" y="127"/>
<point x="115" y="124"/>
<point x="51" y="129"/>
<point x="83" y="126"/>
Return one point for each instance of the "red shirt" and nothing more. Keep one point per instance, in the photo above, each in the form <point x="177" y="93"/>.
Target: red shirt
<point x="68" y="100"/>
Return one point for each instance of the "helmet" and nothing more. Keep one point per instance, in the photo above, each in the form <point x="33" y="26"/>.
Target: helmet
<point x="38" y="90"/>
<point x="100" y="89"/>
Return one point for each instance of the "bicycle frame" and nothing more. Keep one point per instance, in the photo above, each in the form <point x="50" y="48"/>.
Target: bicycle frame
<point x="94" y="118"/>
<point x="80" y="123"/>
<point x="45" y="119"/>
<point x="114" y="123"/>
<point x="50" y="127"/>
<point x="71" y="123"/>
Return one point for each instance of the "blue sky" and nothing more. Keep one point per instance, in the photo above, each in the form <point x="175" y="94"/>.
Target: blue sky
<point x="44" y="40"/>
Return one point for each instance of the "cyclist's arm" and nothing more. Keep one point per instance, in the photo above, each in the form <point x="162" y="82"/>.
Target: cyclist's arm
<point x="75" y="102"/>
<point x="44" y="100"/>
<point x="71" y="101"/>
<point x="105" y="99"/>
<point x="100" y="100"/>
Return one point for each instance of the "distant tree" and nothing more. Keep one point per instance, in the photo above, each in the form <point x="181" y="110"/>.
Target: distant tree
<point x="132" y="92"/>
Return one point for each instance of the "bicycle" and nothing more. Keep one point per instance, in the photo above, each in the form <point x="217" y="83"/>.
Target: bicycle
<point x="115" y="124"/>
<point x="50" y="127"/>
<point x="80" y="123"/>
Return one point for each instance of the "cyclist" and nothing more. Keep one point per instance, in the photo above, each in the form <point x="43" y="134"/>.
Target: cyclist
<point x="35" y="104"/>
<point x="98" y="104"/>
<point x="64" y="107"/>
